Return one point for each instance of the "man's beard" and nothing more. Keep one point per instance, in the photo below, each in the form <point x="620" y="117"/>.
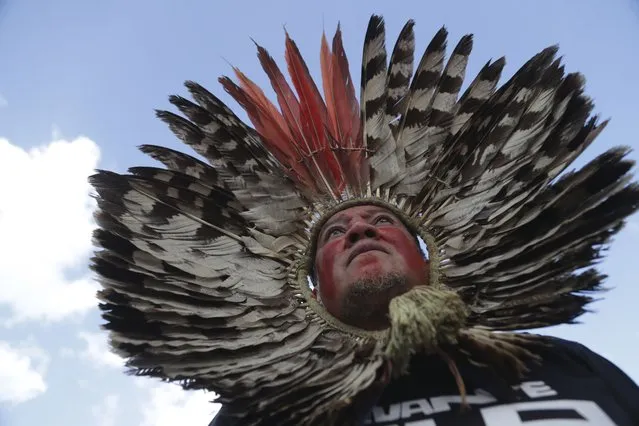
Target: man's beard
<point x="365" y="303"/>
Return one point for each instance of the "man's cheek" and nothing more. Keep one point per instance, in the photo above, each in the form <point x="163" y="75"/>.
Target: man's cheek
<point x="406" y="247"/>
<point x="327" y="290"/>
<point x="326" y="273"/>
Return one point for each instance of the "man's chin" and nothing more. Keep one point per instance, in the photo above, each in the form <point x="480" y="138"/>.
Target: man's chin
<point x="366" y="300"/>
<point x="367" y="275"/>
<point x="368" y="268"/>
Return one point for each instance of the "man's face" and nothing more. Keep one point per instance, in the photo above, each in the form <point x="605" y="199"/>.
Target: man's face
<point x="365" y="257"/>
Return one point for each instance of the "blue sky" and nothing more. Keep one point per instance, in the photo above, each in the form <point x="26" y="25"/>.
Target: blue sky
<point x="78" y="87"/>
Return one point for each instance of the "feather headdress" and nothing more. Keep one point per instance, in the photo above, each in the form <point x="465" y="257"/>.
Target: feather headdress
<point x="204" y="263"/>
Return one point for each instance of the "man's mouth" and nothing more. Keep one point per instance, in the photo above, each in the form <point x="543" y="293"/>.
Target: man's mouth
<point x="364" y="248"/>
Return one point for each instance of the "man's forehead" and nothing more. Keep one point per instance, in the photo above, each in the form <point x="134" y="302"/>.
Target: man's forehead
<point x="363" y="210"/>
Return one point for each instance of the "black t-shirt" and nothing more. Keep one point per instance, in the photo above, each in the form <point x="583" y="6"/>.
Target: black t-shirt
<point x="573" y="387"/>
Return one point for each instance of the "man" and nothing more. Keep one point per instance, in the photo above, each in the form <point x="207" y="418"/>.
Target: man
<point x="366" y="256"/>
<point x="204" y="266"/>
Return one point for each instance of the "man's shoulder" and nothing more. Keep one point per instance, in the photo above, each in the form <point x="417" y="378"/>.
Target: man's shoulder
<point x="562" y="349"/>
<point x="558" y="345"/>
<point x="572" y="355"/>
<point x="576" y="359"/>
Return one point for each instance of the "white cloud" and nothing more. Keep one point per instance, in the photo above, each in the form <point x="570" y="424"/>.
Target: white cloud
<point x="106" y="412"/>
<point x="3" y="101"/>
<point x="66" y="352"/>
<point x="97" y="350"/>
<point x="169" y="405"/>
<point x="21" y="372"/>
<point x="46" y="223"/>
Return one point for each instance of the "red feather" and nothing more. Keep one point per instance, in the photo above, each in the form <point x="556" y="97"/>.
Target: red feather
<point x="270" y="124"/>
<point x="326" y="64"/>
<point x="290" y="108"/>
<point x="287" y="100"/>
<point x="314" y="117"/>
<point x="347" y="112"/>
<point x="320" y="142"/>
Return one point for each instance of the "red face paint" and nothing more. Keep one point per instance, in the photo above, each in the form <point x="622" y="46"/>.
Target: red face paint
<point x="390" y="249"/>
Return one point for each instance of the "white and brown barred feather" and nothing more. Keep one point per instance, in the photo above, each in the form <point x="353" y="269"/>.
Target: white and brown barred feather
<point x="400" y="71"/>
<point x="197" y="259"/>
<point x="385" y="166"/>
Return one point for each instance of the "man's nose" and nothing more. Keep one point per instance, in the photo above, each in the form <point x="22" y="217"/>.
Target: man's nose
<point x="361" y="230"/>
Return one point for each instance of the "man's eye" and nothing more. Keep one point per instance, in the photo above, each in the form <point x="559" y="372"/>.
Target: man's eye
<point x="334" y="232"/>
<point x="383" y="219"/>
